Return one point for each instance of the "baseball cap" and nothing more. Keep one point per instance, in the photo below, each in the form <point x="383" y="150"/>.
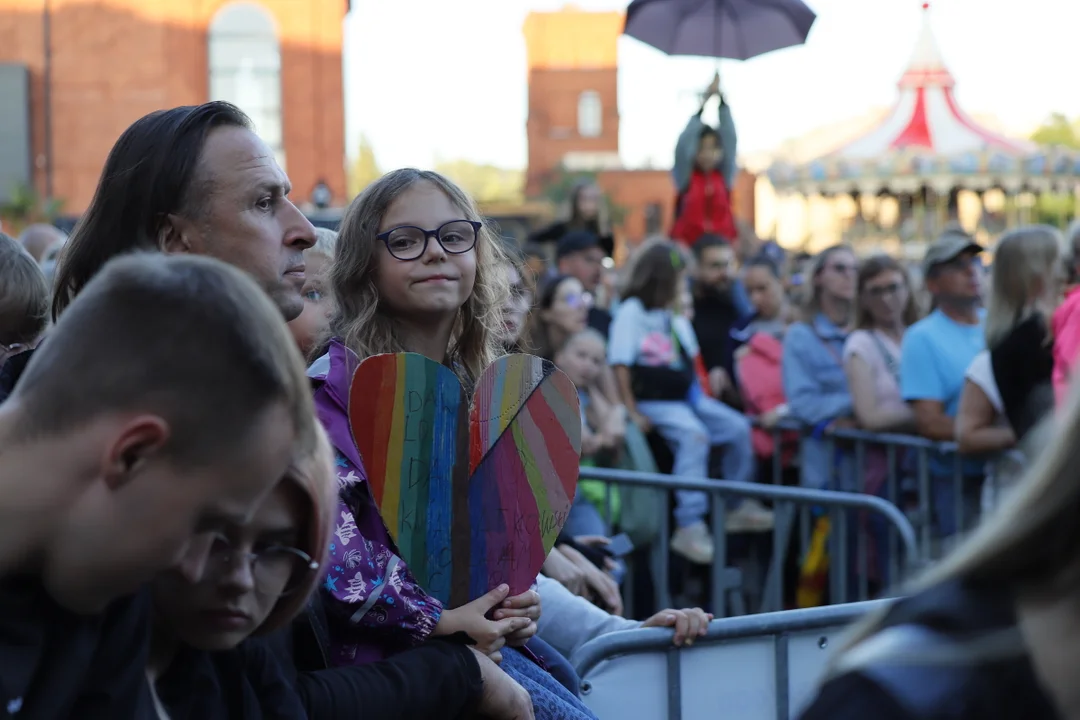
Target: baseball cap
<point x="948" y="246"/>
<point x="575" y="241"/>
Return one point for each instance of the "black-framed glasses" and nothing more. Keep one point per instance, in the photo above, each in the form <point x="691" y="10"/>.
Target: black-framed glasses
<point x="408" y="242"/>
<point x="883" y="290"/>
<point x="842" y="268"/>
<point x="271" y="566"/>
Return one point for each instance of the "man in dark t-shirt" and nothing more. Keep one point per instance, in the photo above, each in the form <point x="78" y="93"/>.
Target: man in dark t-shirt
<point x="716" y="311"/>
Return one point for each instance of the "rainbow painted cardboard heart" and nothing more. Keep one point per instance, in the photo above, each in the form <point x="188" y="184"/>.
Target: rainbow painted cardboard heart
<point x="473" y="495"/>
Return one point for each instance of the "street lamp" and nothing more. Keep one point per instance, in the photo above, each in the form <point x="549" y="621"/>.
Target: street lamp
<point x="321" y="196"/>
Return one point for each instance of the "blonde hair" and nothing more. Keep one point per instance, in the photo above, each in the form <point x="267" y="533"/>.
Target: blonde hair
<point x="313" y="474"/>
<point x="1030" y="544"/>
<point x="360" y="320"/>
<point x="1026" y="260"/>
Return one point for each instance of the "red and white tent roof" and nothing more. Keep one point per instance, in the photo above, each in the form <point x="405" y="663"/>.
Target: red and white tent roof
<point x="927" y="140"/>
<point x="926" y="118"/>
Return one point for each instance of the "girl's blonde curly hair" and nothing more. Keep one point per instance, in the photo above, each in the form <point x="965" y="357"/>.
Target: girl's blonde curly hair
<point x="361" y="321"/>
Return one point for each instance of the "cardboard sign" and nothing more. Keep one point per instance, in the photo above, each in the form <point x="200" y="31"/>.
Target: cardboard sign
<point x="473" y="495"/>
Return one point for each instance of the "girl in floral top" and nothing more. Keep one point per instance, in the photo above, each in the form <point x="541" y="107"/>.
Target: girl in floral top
<point x="416" y="271"/>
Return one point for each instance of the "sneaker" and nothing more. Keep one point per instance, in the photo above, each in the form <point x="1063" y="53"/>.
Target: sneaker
<point x="694" y="543"/>
<point x="751" y="516"/>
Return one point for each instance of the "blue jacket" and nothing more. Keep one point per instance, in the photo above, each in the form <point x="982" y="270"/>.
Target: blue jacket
<point x="817" y="392"/>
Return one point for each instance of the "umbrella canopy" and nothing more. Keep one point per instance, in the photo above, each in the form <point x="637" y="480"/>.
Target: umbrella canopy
<point x="737" y="29"/>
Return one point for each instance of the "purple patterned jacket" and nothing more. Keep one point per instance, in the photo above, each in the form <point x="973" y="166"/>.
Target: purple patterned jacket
<point x="374" y="605"/>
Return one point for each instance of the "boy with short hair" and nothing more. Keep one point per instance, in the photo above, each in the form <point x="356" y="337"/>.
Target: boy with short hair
<point x="168" y="402"/>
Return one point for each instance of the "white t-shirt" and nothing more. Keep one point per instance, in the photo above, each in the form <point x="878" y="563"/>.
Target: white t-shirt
<point x="1003" y="471"/>
<point x="647" y="337"/>
<point x="981" y="372"/>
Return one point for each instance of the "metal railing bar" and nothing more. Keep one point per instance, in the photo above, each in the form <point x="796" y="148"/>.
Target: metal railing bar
<point x="627" y="642"/>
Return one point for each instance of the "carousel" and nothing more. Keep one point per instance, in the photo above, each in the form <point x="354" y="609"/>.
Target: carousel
<point x="928" y="164"/>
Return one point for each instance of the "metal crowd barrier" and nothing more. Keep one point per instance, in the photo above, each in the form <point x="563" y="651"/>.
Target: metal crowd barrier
<point x="910" y="478"/>
<point x="757" y="667"/>
<point x="725" y="579"/>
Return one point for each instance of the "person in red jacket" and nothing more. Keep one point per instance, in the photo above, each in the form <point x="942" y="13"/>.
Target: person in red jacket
<point x="704" y="172"/>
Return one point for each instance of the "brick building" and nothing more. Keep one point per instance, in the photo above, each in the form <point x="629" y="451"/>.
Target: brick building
<point x="573" y="122"/>
<point x="75" y="73"/>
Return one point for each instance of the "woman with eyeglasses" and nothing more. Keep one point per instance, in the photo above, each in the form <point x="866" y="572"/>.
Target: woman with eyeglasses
<point x="561" y="311"/>
<point x="255" y="579"/>
<point x="885" y="308"/>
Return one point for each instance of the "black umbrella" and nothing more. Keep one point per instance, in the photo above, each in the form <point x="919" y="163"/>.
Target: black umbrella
<point x="737" y="29"/>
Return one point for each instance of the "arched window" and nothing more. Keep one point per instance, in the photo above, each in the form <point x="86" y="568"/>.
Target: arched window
<point x="245" y="68"/>
<point x="590" y="114"/>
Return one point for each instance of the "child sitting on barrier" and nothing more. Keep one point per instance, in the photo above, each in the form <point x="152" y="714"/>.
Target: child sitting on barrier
<point x="652" y="350"/>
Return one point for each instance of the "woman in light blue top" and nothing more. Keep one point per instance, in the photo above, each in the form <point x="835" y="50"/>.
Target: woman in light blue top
<point x="813" y="366"/>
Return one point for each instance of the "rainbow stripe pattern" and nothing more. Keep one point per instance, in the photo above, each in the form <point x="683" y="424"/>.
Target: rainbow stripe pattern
<point x="474" y="495"/>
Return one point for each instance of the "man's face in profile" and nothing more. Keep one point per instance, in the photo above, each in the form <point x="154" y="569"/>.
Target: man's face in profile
<point x="246" y="218"/>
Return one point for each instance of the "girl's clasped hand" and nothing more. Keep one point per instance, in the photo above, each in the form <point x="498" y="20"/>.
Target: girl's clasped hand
<point x="490" y="636"/>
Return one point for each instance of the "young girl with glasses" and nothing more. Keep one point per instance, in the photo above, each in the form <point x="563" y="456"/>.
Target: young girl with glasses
<point x="416" y="271"/>
<point x="255" y="579"/>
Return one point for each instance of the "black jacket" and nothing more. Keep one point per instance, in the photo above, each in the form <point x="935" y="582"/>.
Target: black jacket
<point x="1022" y="364"/>
<point x="242" y="684"/>
<point x="936" y="621"/>
<point x="715" y="316"/>
<point x="57" y="664"/>
<point x="11" y="371"/>
<point x="438" y="679"/>
<point x="256" y="682"/>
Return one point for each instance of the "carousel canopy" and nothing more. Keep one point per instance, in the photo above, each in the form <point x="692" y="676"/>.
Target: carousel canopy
<point x="928" y="140"/>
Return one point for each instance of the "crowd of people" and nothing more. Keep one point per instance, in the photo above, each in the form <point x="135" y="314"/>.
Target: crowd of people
<point x="186" y="529"/>
<point x="186" y="526"/>
<point x="709" y="355"/>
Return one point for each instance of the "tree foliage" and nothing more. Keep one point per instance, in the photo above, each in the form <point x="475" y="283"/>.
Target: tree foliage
<point x="364" y="169"/>
<point x="486" y="183"/>
<point x="25" y="206"/>
<point x="1058" y="130"/>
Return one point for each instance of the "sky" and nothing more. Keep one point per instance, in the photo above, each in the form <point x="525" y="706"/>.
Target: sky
<point x="429" y="80"/>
